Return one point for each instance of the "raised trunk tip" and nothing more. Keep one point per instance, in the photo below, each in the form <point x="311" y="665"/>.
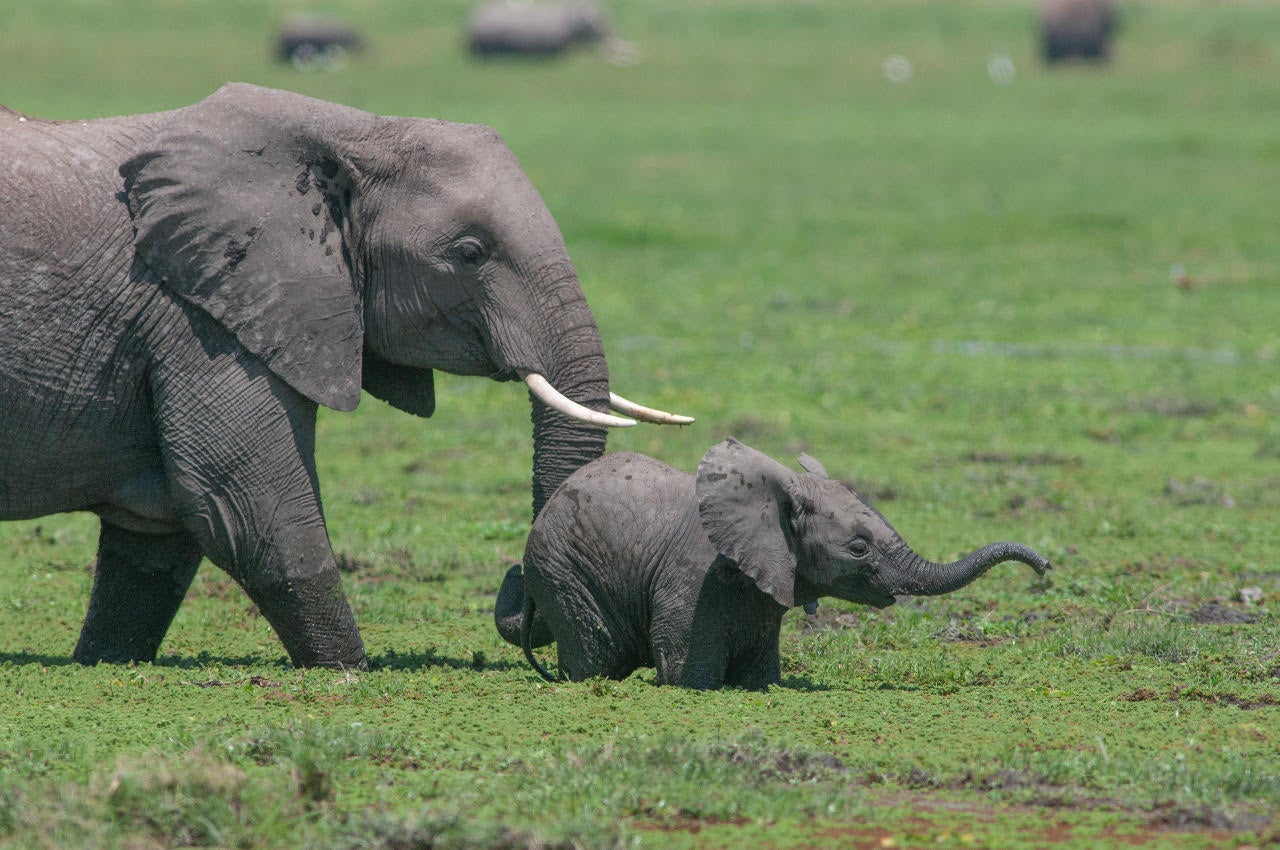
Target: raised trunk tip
<point x="920" y="577"/>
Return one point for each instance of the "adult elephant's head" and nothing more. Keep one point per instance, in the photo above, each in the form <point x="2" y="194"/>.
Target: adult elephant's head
<point x="346" y="249"/>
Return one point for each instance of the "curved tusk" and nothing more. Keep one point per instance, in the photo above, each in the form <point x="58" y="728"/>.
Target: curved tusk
<point x="553" y="398"/>
<point x="647" y="414"/>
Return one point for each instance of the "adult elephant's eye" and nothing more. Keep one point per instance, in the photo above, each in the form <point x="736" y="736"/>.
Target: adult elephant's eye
<point x="470" y="251"/>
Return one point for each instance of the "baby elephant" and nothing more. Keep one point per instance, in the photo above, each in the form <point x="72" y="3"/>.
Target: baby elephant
<point x="635" y="564"/>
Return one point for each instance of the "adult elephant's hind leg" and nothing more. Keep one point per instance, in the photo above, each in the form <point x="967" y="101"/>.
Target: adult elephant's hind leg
<point x="138" y="584"/>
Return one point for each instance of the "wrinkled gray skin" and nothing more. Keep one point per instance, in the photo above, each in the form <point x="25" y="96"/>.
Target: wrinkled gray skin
<point x="178" y="293"/>
<point x="536" y="29"/>
<point x="635" y="564"/>
<point x="1076" y="29"/>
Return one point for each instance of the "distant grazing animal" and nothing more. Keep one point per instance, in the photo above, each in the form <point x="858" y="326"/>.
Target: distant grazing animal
<point x="1076" y="29"/>
<point x="542" y="29"/>
<point x="635" y="564"/>
<point x="316" y="41"/>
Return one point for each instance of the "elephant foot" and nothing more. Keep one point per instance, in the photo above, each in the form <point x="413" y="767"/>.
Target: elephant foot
<point x="313" y="621"/>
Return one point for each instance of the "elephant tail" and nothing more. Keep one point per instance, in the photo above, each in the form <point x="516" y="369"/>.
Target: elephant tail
<point x="526" y="633"/>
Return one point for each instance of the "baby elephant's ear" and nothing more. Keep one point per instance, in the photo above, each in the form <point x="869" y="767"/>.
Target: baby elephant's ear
<point x="811" y="464"/>
<point x="745" y="510"/>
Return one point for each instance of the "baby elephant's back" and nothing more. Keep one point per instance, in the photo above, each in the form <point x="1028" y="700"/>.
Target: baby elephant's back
<point x="622" y="503"/>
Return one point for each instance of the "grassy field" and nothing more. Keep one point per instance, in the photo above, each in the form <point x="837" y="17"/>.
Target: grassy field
<point x="1045" y="310"/>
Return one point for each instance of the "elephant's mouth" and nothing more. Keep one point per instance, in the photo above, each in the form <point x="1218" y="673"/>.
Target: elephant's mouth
<point x="864" y="593"/>
<point x="876" y="597"/>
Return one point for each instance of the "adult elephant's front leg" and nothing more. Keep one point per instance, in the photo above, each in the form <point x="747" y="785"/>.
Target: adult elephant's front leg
<point x="138" y="584"/>
<point x="311" y="616"/>
<point x="238" y="451"/>
<point x="270" y="537"/>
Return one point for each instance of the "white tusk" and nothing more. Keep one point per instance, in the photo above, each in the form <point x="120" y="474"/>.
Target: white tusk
<point x="553" y="398"/>
<point x="648" y="414"/>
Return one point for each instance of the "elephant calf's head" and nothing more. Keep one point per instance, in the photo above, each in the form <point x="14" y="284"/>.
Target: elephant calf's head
<point x="801" y="536"/>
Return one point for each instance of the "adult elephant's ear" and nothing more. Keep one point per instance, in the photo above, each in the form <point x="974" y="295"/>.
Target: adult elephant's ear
<point x="241" y="207"/>
<point x="745" y="509"/>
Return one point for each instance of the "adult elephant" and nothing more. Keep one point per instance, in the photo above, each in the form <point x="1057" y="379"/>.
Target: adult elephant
<point x="180" y="290"/>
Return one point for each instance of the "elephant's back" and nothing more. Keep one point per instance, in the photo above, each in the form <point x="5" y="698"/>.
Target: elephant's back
<point x="634" y="483"/>
<point x="1077" y="16"/>
<point x="508" y="27"/>
<point x="621" y="507"/>
<point x="60" y="209"/>
<point x="597" y="553"/>
<point x="84" y="152"/>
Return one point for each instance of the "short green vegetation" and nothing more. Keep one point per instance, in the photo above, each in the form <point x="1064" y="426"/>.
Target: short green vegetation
<point x="1042" y="309"/>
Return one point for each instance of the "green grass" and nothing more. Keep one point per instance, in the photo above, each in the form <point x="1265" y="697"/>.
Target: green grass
<point x="962" y="296"/>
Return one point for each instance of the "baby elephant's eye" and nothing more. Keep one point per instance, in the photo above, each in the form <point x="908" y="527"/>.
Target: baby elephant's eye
<point x="858" y="547"/>
<point x="470" y="251"/>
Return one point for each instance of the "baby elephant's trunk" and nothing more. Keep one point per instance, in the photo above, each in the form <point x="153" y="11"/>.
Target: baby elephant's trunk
<point x="919" y="577"/>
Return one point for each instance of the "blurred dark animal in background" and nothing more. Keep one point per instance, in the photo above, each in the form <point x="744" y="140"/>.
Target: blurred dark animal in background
<point x="1077" y="29"/>
<point x="309" y="42"/>
<point x="518" y="27"/>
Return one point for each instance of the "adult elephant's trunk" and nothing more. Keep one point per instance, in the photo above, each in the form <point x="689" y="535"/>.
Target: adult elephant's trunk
<point x="562" y="445"/>
<point x="568" y="381"/>
<point x="915" y="576"/>
<point x="575" y="367"/>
